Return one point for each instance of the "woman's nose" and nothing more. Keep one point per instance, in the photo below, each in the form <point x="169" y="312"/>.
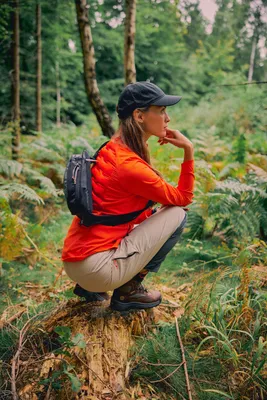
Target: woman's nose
<point x="167" y="118"/>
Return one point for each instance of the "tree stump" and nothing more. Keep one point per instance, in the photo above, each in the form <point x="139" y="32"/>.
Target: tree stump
<point x="102" y="366"/>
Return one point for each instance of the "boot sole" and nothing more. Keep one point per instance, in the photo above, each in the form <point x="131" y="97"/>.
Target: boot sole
<point x="119" y="306"/>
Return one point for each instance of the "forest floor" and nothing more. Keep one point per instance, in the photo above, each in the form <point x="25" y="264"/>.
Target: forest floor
<point x="35" y="293"/>
<point x="36" y="282"/>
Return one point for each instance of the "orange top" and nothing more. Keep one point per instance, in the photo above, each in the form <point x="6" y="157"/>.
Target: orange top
<point x="122" y="182"/>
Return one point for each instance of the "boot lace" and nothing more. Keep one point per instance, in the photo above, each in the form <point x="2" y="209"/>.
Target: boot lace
<point x="141" y="288"/>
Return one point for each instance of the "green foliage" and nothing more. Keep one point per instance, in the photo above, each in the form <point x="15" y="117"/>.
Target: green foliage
<point x="28" y="185"/>
<point x="12" y="235"/>
<point x="24" y="192"/>
<point x="66" y="340"/>
<point x="223" y="331"/>
<point x="173" y="48"/>
<point x="10" y="168"/>
<point x="160" y="358"/>
<point x="239" y="148"/>
<point x="228" y="208"/>
<point x="66" y="370"/>
<point x="58" y="377"/>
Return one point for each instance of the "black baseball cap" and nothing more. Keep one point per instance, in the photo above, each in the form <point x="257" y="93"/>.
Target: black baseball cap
<point x="142" y="94"/>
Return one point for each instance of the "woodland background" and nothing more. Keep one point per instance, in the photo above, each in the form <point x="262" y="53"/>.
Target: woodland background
<point x="50" y="109"/>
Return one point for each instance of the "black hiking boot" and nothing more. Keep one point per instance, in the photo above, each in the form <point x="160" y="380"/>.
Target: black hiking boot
<point x="90" y="296"/>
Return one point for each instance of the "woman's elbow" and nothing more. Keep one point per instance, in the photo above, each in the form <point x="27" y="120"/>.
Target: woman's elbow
<point x="188" y="199"/>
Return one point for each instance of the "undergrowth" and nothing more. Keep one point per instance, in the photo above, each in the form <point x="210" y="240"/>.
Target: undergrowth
<point x="223" y="329"/>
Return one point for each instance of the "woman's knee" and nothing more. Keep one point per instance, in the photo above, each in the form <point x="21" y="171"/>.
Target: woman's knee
<point x="176" y="214"/>
<point x="182" y="224"/>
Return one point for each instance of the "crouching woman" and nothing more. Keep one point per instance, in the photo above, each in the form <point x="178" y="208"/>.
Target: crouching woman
<point x="117" y="258"/>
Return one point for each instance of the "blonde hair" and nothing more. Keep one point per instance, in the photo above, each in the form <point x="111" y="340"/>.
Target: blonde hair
<point x="132" y="134"/>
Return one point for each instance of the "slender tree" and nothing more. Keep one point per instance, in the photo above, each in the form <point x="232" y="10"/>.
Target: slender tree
<point x="39" y="70"/>
<point x="252" y="58"/>
<point x="58" y="94"/>
<point x="129" y="42"/>
<point x="257" y="31"/>
<point x="15" y="81"/>
<point x="91" y="86"/>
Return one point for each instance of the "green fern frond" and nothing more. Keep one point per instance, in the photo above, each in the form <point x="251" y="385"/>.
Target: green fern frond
<point x="232" y="210"/>
<point x="195" y="224"/>
<point x="24" y="191"/>
<point x="237" y="188"/>
<point x="259" y="160"/>
<point x="82" y="143"/>
<point x="10" y="168"/>
<point x="243" y="220"/>
<point x="261" y="173"/>
<point x="210" y="145"/>
<point x="38" y="151"/>
<point x="54" y="143"/>
<point x="45" y="183"/>
<point x="222" y="204"/>
<point x="229" y="169"/>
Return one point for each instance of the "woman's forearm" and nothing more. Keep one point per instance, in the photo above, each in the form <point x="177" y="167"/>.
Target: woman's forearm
<point x="188" y="153"/>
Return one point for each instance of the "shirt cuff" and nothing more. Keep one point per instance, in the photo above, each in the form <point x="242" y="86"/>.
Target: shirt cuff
<point x="188" y="166"/>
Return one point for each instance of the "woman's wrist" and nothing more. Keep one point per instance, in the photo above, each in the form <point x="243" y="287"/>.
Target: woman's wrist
<point x="188" y="152"/>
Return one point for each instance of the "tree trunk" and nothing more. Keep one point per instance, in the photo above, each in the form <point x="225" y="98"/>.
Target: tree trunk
<point x="252" y="58"/>
<point x="91" y="87"/>
<point x="129" y="42"/>
<point x="58" y="94"/>
<point x="39" y="70"/>
<point x="257" y="31"/>
<point x="15" y="83"/>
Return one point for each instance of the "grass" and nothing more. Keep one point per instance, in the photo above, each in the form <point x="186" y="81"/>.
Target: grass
<point x="224" y="342"/>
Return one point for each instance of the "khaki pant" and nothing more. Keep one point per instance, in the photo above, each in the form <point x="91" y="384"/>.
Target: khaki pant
<point x="107" y="270"/>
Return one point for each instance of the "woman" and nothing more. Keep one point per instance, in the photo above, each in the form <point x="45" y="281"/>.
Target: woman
<point x="102" y="258"/>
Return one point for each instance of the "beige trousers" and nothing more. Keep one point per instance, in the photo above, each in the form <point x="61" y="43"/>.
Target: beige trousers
<point x="107" y="270"/>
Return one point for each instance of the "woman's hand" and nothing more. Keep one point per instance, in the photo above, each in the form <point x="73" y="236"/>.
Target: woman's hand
<point x="176" y="138"/>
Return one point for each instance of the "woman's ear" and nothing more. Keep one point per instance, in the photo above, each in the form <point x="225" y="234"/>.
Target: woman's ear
<point x="138" y="116"/>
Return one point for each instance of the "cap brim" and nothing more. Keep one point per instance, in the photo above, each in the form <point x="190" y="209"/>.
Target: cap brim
<point x="167" y="100"/>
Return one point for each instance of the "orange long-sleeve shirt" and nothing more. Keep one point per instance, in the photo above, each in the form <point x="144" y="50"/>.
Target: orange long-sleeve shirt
<point x="122" y="182"/>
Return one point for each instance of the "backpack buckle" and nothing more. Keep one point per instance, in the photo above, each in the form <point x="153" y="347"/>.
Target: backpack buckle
<point x="90" y="159"/>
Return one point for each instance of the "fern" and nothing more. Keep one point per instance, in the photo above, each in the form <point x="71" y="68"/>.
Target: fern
<point x="229" y="169"/>
<point x="24" y="192"/>
<point x="209" y="146"/>
<point x="11" y="236"/>
<point x="259" y="172"/>
<point x="239" y="148"/>
<point x="229" y="209"/>
<point x="258" y="160"/>
<point x="82" y="143"/>
<point x="45" y="182"/>
<point x="10" y="168"/>
<point x="237" y="188"/>
<point x="38" y="151"/>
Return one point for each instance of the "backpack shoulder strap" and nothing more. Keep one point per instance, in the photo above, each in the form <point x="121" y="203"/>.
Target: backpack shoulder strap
<point x="102" y="145"/>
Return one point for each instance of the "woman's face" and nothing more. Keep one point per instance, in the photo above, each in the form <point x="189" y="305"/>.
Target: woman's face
<point x="155" y="121"/>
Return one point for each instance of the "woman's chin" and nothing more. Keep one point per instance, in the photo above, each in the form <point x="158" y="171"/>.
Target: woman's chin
<point x="161" y="134"/>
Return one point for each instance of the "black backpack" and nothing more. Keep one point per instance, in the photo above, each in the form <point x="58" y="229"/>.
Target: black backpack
<point x="78" y="192"/>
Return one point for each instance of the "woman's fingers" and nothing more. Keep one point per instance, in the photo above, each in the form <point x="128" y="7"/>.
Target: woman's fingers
<point x="161" y="141"/>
